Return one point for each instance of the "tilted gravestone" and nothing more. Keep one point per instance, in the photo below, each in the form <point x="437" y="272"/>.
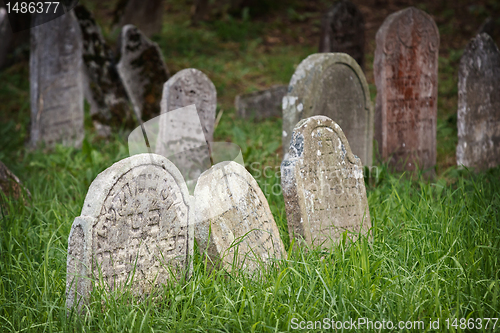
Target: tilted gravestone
<point x="333" y="85"/>
<point x="135" y="229"/>
<point x="405" y="69"/>
<point x="343" y="30"/>
<point x="234" y="223"/>
<point x="56" y="82"/>
<point x="103" y="87"/>
<point x="323" y="184"/>
<point x="478" y="118"/>
<point x="142" y="70"/>
<point x="261" y="104"/>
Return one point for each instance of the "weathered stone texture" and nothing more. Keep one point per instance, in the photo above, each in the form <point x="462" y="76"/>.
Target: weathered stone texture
<point x="136" y="220"/>
<point x="323" y="184"/>
<point x="478" y="118"/>
<point x="234" y="223"/>
<point x="56" y="82"/>
<point x="333" y="85"/>
<point x="343" y="30"/>
<point x="261" y="104"/>
<point x="405" y="69"/>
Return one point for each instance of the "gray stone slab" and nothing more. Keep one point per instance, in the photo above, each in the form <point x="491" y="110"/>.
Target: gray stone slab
<point x="136" y="220"/>
<point x="405" y="69"/>
<point x="323" y="185"/>
<point x="478" y="117"/>
<point x="333" y="85"/>
<point x="56" y="82"/>
<point x="234" y="223"/>
<point x="261" y="104"/>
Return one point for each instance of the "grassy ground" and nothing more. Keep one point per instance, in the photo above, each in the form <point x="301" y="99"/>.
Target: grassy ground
<point x="435" y="249"/>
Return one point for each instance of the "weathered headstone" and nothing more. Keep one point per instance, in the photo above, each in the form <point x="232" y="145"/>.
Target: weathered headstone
<point x="103" y="88"/>
<point x="234" y="223"/>
<point x="323" y="184"/>
<point x="333" y="85"/>
<point x="142" y="70"/>
<point x="405" y="69"/>
<point x="478" y="118"/>
<point x="135" y="230"/>
<point x="146" y="15"/>
<point x="56" y="82"/>
<point x="261" y="104"/>
<point x="343" y="30"/>
<point x="5" y="37"/>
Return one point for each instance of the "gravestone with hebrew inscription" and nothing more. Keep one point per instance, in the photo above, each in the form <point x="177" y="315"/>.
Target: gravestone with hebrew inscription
<point x="56" y="82"/>
<point x="323" y="184"/>
<point x="333" y="85"/>
<point x="261" y="104"/>
<point x="343" y="30"/>
<point x="135" y="230"/>
<point x="405" y="69"/>
<point x="142" y="70"/>
<point x="234" y="223"/>
<point x="478" y="118"/>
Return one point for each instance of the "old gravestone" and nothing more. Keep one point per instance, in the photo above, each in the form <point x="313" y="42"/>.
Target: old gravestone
<point x="323" y="184"/>
<point x="261" y="104"/>
<point x="343" y="30"/>
<point x="233" y="221"/>
<point x="405" y="69"/>
<point x="136" y="222"/>
<point x="478" y="118"/>
<point x="142" y="71"/>
<point x="56" y="82"/>
<point x="103" y="87"/>
<point x="333" y="85"/>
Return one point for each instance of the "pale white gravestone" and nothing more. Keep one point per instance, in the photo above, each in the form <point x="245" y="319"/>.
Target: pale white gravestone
<point x="333" y="85"/>
<point x="135" y="229"/>
<point x="142" y="70"/>
<point x="478" y="118"/>
<point x="323" y="184"/>
<point x="261" y="104"/>
<point x="56" y="82"/>
<point x="234" y="224"/>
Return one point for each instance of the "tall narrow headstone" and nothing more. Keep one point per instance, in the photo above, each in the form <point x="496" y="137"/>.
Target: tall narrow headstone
<point x="56" y="82"/>
<point x="343" y="30"/>
<point x="143" y="72"/>
<point x="323" y="184"/>
<point x="478" y="118"/>
<point x="333" y="85"/>
<point x="405" y="69"/>
<point x="234" y="223"/>
<point x="135" y="230"/>
<point x="261" y="104"/>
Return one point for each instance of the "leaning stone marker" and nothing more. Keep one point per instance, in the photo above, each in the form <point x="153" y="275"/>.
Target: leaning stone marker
<point x="333" y="85"/>
<point x="261" y="104"/>
<point x="478" y="118"/>
<point x="233" y="221"/>
<point x="323" y="184"/>
<point x="136" y="221"/>
<point x="405" y="69"/>
<point x="343" y="30"/>
<point x="56" y="82"/>
<point x="142" y="70"/>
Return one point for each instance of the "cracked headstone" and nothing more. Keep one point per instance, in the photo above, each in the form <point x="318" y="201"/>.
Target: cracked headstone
<point x="332" y="85"/>
<point x="261" y="104"/>
<point x="323" y="185"/>
<point x="405" y="70"/>
<point x="478" y="117"/>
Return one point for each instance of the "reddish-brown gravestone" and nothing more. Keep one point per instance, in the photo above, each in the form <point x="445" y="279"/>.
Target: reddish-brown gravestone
<point x="405" y="69"/>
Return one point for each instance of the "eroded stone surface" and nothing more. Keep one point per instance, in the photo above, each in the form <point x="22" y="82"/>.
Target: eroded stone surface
<point x="333" y="85"/>
<point x="142" y="70"/>
<point x="136" y="220"/>
<point x="343" y="30"/>
<point x="229" y="201"/>
<point x="261" y="104"/>
<point x="478" y="118"/>
<point x="405" y="69"/>
<point x="56" y="82"/>
<point x="323" y="184"/>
